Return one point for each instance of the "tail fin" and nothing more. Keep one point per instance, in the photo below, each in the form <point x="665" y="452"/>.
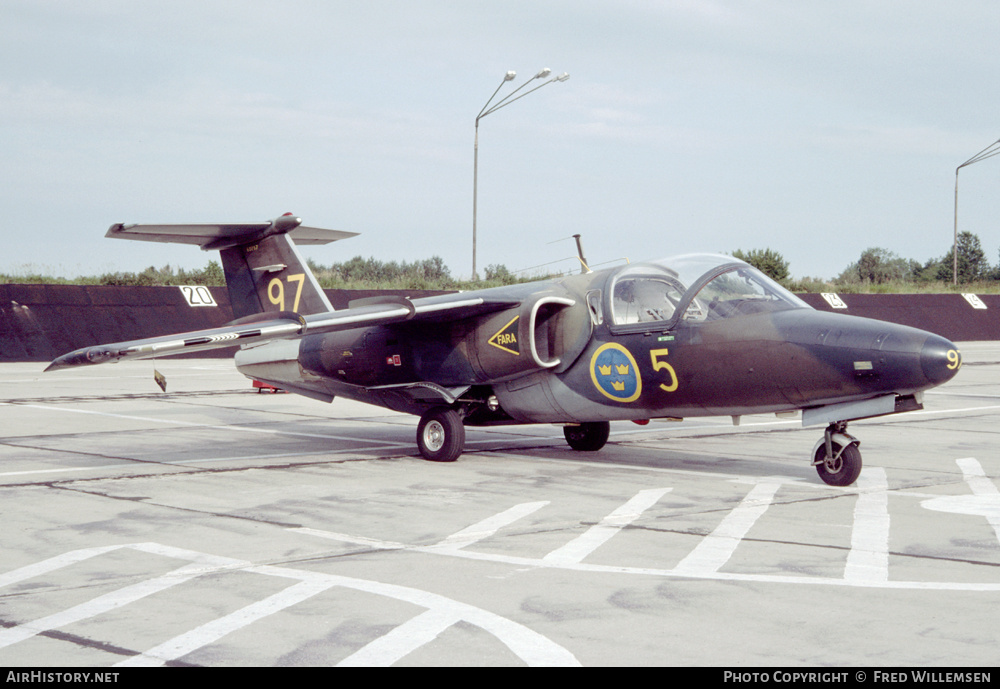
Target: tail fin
<point x="270" y="275"/>
<point x="264" y="271"/>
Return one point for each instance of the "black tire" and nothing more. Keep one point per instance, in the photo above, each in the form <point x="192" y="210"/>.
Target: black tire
<point x="441" y="435"/>
<point x="844" y="470"/>
<point x="587" y="437"/>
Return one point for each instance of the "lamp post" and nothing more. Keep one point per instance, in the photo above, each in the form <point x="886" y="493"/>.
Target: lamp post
<point x="988" y="152"/>
<point x="487" y="109"/>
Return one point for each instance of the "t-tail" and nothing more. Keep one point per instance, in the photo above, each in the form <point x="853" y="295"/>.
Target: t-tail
<point x="271" y="289"/>
<point x="264" y="271"/>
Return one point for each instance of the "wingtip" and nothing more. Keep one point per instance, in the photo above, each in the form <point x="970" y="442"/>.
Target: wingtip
<point x="80" y="357"/>
<point x="58" y="363"/>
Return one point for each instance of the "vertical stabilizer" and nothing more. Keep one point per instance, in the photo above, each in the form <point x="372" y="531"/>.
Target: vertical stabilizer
<point x="264" y="270"/>
<point x="270" y="275"/>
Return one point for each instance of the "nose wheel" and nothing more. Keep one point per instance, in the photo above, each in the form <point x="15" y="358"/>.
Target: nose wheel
<point x="836" y="457"/>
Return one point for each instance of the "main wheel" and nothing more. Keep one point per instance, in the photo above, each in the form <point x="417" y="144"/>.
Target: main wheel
<point x="843" y="469"/>
<point x="441" y="435"/>
<point x="587" y="437"/>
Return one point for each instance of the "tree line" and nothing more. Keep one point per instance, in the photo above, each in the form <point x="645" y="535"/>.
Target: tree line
<point x="356" y="273"/>
<point x="876" y="269"/>
<point x="881" y="270"/>
<point x="211" y="274"/>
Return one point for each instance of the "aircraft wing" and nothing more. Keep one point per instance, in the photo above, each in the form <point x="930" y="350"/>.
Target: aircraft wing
<point x="287" y="324"/>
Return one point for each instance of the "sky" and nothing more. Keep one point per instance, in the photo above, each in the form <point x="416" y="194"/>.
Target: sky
<point x="817" y="129"/>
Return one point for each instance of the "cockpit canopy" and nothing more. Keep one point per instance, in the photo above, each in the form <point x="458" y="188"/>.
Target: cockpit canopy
<point x="694" y="288"/>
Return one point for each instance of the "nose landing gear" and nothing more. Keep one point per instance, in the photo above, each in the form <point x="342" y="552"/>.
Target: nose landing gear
<point x="836" y="457"/>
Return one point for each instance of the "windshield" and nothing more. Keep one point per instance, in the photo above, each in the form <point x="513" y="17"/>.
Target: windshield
<point x="740" y="291"/>
<point x="694" y="288"/>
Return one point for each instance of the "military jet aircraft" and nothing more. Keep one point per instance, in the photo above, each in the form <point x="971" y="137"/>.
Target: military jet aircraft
<point x="688" y="336"/>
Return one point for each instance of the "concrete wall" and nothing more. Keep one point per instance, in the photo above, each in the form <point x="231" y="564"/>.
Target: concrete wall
<point x="951" y="315"/>
<point x="40" y="322"/>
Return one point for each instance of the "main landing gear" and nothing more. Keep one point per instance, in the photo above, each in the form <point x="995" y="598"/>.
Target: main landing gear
<point x="587" y="437"/>
<point x="441" y="435"/>
<point x="836" y="457"/>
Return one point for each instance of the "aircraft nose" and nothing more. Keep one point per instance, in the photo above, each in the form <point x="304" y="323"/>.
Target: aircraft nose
<point x="940" y="359"/>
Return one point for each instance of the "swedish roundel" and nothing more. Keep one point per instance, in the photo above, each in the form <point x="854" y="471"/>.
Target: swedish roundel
<point x="615" y="374"/>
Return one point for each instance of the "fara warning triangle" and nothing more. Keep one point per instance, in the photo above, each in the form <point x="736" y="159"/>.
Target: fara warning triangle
<point x="506" y="338"/>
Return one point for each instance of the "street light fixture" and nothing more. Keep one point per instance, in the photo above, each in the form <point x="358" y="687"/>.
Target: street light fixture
<point x="988" y="152"/>
<point x="487" y="109"/>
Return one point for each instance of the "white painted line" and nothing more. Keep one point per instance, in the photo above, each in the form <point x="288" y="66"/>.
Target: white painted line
<point x="716" y="548"/>
<point x="984" y="489"/>
<point x="209" y="460"/>
<point x="868" y="560"/>
<point x="599" y="534"/>
<point x="798" y="482"/>
<point x="67" y="470"/>
<point x="530" y="646"/>
<point x="403" y="640"/>
<point x="101" y="604"/>
<point x="211" y="632"/>
<point x="346" y="538"/>
<point x="290" y="455"/>
<point x="984" y="501"/>
<point x="927" y="412"/>
<point x="194" y="424"/>
<point x="533" y="648"/>
<point x="494" y="441"/>
<point x="488" y="527"/>
<point x="972" y="472"/>
<point x="201" y="563"/>
<point x="528" y="562"/>
<point x="53" y="563"/>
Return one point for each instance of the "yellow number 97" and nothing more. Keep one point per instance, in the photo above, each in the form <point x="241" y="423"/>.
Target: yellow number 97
<point x="954" y="359"/>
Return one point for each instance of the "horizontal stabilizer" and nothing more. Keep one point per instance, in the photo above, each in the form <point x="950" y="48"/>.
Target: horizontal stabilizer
<point x="221" y="236"/>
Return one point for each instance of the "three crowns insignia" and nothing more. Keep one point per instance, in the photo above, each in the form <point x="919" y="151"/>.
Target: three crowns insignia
<point x="620" y="369"/>
<point x="615" y="373"/>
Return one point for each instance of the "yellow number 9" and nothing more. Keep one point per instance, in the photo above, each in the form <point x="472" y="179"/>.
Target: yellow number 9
<point x="276" y="297"/>
<point x="954" y="359"/>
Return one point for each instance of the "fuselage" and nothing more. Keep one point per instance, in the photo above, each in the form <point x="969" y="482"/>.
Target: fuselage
<point x="711" y="337"/>
<point x="693" y="335"/>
